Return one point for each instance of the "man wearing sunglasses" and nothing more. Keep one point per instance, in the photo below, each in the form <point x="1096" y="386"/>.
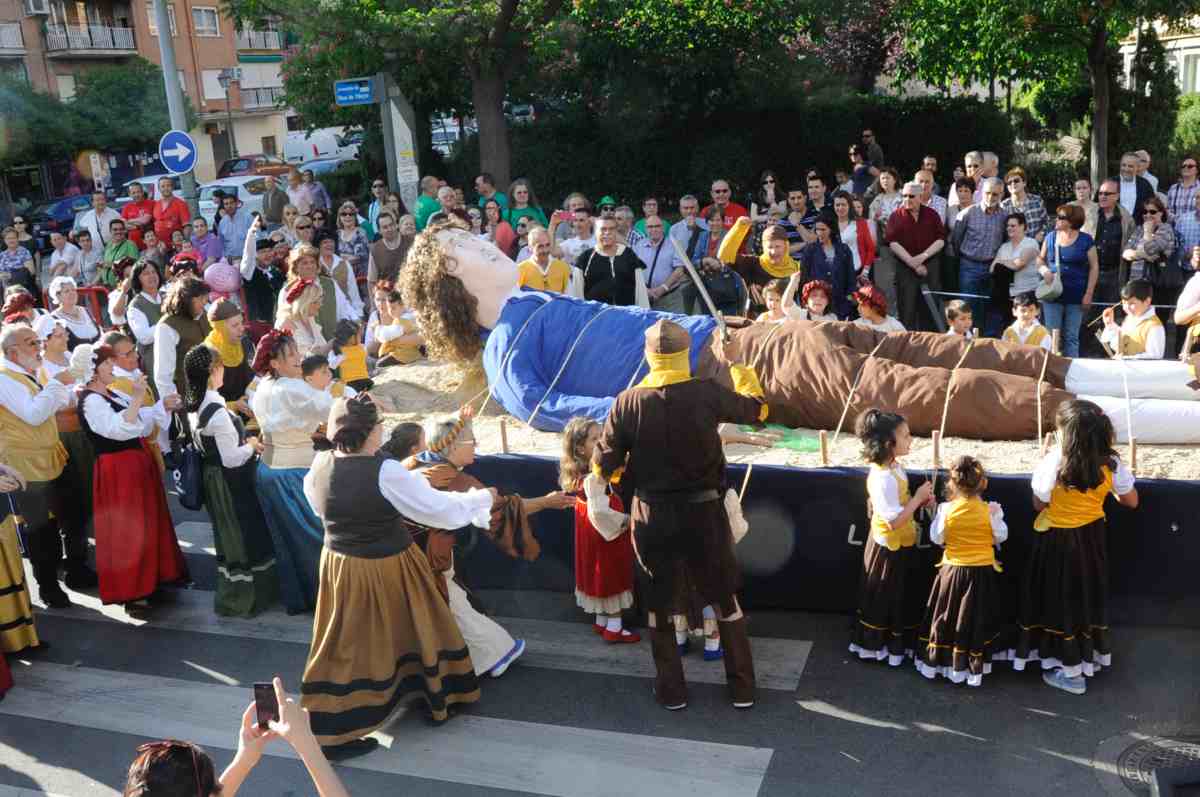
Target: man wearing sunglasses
<point x="379" y="191"/>
<point x="1181" y="197"/>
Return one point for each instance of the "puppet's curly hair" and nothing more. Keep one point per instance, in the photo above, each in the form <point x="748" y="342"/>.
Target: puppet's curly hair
<point x="445" y="310"/>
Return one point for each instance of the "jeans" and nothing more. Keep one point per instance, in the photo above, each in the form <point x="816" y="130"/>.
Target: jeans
<point x="1066" y="318"/>
<point x="974" y="277"/>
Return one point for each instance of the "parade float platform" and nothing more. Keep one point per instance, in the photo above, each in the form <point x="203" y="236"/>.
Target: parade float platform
<point x="808" y="523"/>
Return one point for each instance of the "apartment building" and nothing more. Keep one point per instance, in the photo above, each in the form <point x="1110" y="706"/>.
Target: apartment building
<point x="50" y="43"/>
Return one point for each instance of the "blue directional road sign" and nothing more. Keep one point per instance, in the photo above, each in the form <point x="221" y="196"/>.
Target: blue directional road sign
<point x="177" y="152"/>
<point x="355" y="91"/>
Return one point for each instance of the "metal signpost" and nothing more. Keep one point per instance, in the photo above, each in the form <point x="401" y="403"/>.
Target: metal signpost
<point x="166" y="51"/>
<point x="177" y="152"/>
<point x="399" y="122"/>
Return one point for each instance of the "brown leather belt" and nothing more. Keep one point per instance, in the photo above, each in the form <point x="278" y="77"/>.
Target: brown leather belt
<point x="694" y="497"/>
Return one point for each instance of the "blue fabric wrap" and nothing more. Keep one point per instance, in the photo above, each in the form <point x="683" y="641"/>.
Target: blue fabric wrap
<point x="296" y="532"/>
<point x="602" y="365"/>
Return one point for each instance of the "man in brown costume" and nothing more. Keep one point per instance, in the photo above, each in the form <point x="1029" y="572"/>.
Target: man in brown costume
<point x="662" y="434"/>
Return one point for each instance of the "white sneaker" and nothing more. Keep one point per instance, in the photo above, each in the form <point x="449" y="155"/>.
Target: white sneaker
<point x="1075" y="686"/>
<point x="502" y="666"/>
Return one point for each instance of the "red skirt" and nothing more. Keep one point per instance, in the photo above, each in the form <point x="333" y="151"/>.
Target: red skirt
<point x="603" y="568"/>
<point x="136" y="548"/>
<point x="5" y="676"/>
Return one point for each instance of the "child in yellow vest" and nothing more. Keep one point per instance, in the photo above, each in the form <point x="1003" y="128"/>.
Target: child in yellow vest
<point x="400" y="342"/>
<point x="961" y="616"/>
<point x="889" y="603"/>
<point x="1063" y="614"/>
<point x="349" y="356"/>
<point x="1027" y="329"/>
<point x="1141" y="335"/>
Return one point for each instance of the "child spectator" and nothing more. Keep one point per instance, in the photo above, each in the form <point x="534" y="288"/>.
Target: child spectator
<point x="400" y="342"/>
<point x="814" y="296"/>
<point x="349" y="356"/>
<point x="1063" y="614"/>
<point x="889" y="605"/>
<point x="872" y="310"/>
<point x="1141" y="335"/>
<point x="1027" y="329"/>
<point x="773" y="297"/>
<point x="959" y="319"/>
<point x="961" y="616"/>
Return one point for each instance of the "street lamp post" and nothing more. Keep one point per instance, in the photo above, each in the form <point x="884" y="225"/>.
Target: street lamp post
<point x="226" y="77"/>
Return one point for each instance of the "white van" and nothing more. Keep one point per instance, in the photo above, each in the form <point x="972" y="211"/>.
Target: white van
<point x="301" y="146"/>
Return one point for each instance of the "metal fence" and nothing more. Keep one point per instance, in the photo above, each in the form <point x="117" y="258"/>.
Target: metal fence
<point x="266" y="97"/>
<point x="88" y="37"/>
<point x="259" y="40"/>
<point x="10" y="36"/>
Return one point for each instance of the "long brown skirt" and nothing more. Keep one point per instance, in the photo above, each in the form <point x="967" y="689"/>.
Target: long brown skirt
<point x="1063" y="616"/>
<point x="960" y="625"/>
<point x="382" y="635"/>
<point x="889" y="604"/>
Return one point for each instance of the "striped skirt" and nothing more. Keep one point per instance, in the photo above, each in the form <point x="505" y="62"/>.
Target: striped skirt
<point x="16" y="613"/>
<point x="382" y="636"/>
<point x="246" y="579"/>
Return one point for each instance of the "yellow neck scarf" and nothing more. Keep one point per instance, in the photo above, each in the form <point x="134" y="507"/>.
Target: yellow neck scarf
<point x="667" y="369"/>
<point x="778" y="270"/>
<point x="230" y="348"/>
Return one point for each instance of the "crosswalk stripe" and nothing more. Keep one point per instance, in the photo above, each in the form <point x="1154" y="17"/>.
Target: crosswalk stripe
<point x="474" y="750"/>
<point x="16" y="791"/>
<point x="778" y="663"/>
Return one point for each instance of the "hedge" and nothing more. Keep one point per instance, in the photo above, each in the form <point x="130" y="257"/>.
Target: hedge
<point x="666" y="157"/>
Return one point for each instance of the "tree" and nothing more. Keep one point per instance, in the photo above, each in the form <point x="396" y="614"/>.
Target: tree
<point x="125" y="107"/>
<point x="860" y="44"/>
<point x="34" y="126"/>
<point x="1031" y="39"/>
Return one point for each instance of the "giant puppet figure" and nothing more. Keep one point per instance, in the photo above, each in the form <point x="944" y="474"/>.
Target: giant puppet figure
<point x="550" y="357"/>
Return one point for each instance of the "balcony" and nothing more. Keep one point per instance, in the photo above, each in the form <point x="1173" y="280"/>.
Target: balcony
<point x="267" y="97"/>
<point x="12" y="43"/>
<point x="259" y="40"/>
<point x="89" y="41"/>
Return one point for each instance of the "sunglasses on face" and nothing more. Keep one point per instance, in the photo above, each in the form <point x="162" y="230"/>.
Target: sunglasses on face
<point x="348" y="213"/>
<point x="1014" y="181"/>
<point x="769" y="180"/>
<point x="1063" y="218"/>
<point x="303" y="226"/>
<point x="1188" y="166"/>
<point x="908" y="196"/>
<point x="1107" y="193"/>
<point x="377" y="185"/>
<point x="1151" y="211"/>
<point x="720" y="190"/>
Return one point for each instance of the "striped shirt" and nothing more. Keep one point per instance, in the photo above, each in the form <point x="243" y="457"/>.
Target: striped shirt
<point x="1181" y="199"/>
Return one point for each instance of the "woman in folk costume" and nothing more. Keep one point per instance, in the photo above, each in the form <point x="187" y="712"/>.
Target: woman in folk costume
<point x="451" y="447"/>
<point x="603" y="548"/>
<point x="1063" y="614"/>
<point x="228" y="338"/>
<point x="125" y="373"/>
<point x="182" y="327"/>
<point x="17" y="632"/>
<point x="81" y="458"/>
<point x="383" y="633"/>
<point x="81" y="328"/>
<point x="962" y="614"/>
<point x="246" y="579"/>
<point x="298" y="314"/>
<point x="136" y="548"/>
<point x="889" y="607"/>
<point x="140" y="304"/>
<point x="288" y="412"/>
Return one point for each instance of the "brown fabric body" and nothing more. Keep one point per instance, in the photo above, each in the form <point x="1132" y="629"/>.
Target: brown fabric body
<point x="807" y="370"/>
<point x="961" y="629"/>
<point x="668" y="439"/>
<point x="382" y="635"/>
<point x="889" y="601"/>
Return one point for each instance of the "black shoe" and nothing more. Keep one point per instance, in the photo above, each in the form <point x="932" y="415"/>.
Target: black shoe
<point x="81" y="577"/>
<point x="54" y="597"/>
<point x="354" y="749"/>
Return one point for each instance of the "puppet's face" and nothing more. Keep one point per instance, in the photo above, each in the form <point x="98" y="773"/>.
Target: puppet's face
<point x="486" y="272"/>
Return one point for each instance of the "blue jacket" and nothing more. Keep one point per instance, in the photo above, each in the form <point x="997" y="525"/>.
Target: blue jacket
<point x="839" y="273"/>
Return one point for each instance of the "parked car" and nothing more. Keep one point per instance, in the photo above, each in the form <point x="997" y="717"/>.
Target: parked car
<point x="301" y="146"/>
<point x="523" y="114"/>
<point x="57" y="215"/>
<point x="254" y="163"/>
<point x="349" y="143"/>
<point x="444" y="140"/>
<point x="320" y="166"/>
<point x="249" y="191"/>
<point x="149" y="184"/>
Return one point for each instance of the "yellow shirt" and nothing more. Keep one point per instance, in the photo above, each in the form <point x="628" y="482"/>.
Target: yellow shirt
<point x="555" y="280"/>
<point x="1133" y="341"/>
<point x="1034" y="338"/>
<point x="354" y="363"/>
<point x="968" y="534"/>
<point x="34" y="451"/>
<point x="894" y="538"/>
<point x="402" y="352"/>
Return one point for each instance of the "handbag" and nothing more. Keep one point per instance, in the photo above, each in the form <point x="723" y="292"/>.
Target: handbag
<point x="188" y="470"/>
<point x="1167" y="274"/>
<point x="1050" y="292"/>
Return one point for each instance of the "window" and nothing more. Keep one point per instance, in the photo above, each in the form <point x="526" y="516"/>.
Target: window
<point x="153" y="24"/>
<point x="268" y="144"/>
<point x="212" y="86"/>
<point x="66" y="87"/>
<point x="1189" y="73"/>
<point x="205" y="21"/>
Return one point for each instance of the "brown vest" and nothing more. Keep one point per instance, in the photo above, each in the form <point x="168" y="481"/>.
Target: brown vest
<point x="388" y="261"/>
<point x="192" y="332"/>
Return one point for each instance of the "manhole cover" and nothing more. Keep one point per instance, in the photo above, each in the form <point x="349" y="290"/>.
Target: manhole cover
<point x="1137" y="762"/>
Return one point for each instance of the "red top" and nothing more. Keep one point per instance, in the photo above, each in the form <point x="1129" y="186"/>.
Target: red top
<point x="733" y="212"/>
<point x="170" y="217"/>
<point x="915" y="235"/>
<point x="130" y="212"/>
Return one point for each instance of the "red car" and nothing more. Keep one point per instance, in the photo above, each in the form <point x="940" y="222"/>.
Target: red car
<point x="254" y="163"/>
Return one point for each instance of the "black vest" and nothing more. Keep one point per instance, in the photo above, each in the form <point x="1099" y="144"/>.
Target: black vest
<point x="102" y="444"/>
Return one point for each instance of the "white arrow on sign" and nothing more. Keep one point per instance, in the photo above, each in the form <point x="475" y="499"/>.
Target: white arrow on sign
<point x="179" y="152"/>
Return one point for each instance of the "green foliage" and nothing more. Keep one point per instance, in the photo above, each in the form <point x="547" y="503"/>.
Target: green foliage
<point x="1149" y="107"/>
<point x="1053" y="181"/>
<point x="348" y="182"/>
<point x="671" y="157"/>
<point x="124" y="107"/>
<point x="34" y="126"/>
<point x="1187" y="126"/>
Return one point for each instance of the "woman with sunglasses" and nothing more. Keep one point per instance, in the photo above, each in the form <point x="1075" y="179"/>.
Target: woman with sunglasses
<point x="770" y="195"/>
<point x="290" y="214"/>
<point x="1021" y="201"/>
<point x="1071" y="253"/>
<point x="1150" y="245"/>
<point x="16" y="264"/>
<point x="352" y="243"/>
<point x="320" y="220"/>
<point x="26" y="239"/>
<point x="523" y="204"/>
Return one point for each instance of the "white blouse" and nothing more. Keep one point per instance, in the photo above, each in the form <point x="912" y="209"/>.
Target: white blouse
<point x="81" y="325"/>
<point x="1045" y="476"/>
<point x="850" y="239"/>
<point x="607" y="521"/>
<point x="33" y="410"/>
<point x="883" y="488"/>
<point x="412" y="497"/>
<point x="307" y="335"/>
<point x="139" y="324"/>
<point x="289" y="404"/>
<point x="223" y="431"/>
<point x="937" y="532"/>
<point x="106" y="421"/>
<point x="889" y="324"/>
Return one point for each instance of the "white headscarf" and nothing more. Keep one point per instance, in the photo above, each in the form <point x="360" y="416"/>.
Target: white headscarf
<point x="57" y="285"/>
<point x="83" y="363"/>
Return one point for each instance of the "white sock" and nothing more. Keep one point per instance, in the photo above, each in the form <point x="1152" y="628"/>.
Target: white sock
<point x="680" y="637"/>
<point x="712" y="642"/>
<point x="614" y="624"/>
<point x="602" y="620"/>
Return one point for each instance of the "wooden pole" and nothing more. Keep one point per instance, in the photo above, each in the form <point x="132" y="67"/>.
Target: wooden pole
<point x="504" y="435"/>
<point x="1046" y="442"/>
<point x="823" y="436"/>
<point x="1055" y="341"/>
<point x="937" y="450"/>
<point x="745" y="482"/>
<point x="975" y="333"/>
<point x="1133" y="455"/>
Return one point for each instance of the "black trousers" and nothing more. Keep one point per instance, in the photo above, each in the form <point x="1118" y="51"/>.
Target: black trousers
<point x="912" y="310"/>
<point x="53" y="523"/>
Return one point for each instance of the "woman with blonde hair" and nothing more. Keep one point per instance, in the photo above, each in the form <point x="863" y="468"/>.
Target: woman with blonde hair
<point x="298" y="313"/>
<point x="304" y="263"/>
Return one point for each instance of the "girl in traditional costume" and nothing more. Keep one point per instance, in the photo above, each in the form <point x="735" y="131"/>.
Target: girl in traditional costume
<point x="889" y="606"/>
<point x="961" y="624"/>
<point x="1063" y="616"/>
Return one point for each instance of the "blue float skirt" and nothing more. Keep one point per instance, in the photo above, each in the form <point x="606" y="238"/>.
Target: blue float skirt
<point x="296" y="532"/>
<point x="607" y="358"/>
